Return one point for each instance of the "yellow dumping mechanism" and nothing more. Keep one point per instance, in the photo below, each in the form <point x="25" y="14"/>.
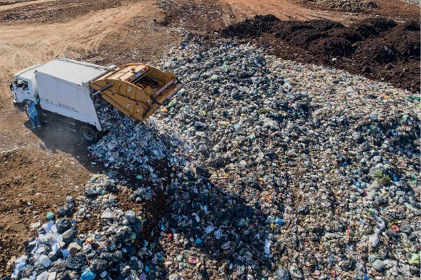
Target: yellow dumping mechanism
<point x="137" y="90"/>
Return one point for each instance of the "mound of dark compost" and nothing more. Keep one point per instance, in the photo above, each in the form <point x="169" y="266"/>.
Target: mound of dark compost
<point x="379" y="49"/>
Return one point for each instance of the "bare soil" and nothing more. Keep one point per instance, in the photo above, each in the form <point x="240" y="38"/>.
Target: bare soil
<point x="38" y="170"/>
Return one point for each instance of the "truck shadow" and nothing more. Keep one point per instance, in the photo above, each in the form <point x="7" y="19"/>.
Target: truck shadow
<point x="219" y="226"/>
<point x="223" y="230"/>
<point x="56" y="138"/>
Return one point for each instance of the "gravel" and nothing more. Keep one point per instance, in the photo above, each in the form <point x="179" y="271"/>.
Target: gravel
<point x="346" y="5"/>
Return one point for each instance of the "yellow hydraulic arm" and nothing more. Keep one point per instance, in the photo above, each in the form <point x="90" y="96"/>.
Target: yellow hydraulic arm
<point x="137" y="90"/>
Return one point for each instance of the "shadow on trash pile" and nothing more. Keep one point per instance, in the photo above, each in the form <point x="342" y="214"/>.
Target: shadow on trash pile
<point x="203" y="223"/>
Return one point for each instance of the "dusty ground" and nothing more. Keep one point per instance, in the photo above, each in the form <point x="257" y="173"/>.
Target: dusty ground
<point x="38" y="170"/>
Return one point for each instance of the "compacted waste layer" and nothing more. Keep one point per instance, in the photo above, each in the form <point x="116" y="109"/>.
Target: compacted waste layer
<point x="269" y="169"/>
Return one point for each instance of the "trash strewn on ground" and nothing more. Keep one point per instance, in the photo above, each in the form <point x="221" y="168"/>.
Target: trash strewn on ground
<point x="278" y="170"/>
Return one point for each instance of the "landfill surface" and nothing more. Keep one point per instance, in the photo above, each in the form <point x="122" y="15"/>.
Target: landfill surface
<point x="262" y="167"/>
<point x="350" y="6"/>
<point x="277" y="170"/>
<point x="414" y="2"/>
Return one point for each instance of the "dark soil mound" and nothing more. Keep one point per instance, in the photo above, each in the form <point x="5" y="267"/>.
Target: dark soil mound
<point x="324" y="24"/>
<point x="332" y="47"/>
<point x="285" y="30"/>
<point x="303" y="38"/>
<point x="412" y="25"/>
<point x="381" y="24"/>
<point x="377" y="48"/>
<point x="378" y="52"/>
<point x="406" y="41"/>
<point x="251" y="27"/>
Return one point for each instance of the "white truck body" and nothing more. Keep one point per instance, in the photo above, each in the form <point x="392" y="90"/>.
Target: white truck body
<point x="63" y="91"/>
<point x="62" y="86"/>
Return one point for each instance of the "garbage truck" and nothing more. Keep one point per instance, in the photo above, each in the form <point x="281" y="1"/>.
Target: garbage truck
<point x="64" y="91"/>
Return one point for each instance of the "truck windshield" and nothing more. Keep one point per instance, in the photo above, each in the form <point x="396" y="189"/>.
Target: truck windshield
<point x="21" y="83"/>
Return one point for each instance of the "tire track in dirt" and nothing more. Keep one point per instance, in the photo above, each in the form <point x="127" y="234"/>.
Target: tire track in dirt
<point x="23" y="45"/>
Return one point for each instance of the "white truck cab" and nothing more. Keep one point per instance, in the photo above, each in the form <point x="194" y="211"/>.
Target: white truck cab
<point x="24" y="86"/>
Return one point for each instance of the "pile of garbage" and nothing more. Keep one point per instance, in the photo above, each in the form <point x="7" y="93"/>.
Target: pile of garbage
<point x="60" y="251"/>
<point x="130" y="145"/>
<point x="346" y="5"/>
<point x="278" y="170"/>
<point x="310" y="171"/>
<point x="413" y="2"/>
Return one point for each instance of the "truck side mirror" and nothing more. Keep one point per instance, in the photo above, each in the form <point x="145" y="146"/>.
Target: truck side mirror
<point x="11" y="86"/>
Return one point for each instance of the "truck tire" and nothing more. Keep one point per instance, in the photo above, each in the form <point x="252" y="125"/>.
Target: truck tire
<point x="89" y="134"/>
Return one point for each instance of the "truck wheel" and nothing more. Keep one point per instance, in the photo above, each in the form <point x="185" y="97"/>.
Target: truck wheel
<point x="89" y="134"/>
